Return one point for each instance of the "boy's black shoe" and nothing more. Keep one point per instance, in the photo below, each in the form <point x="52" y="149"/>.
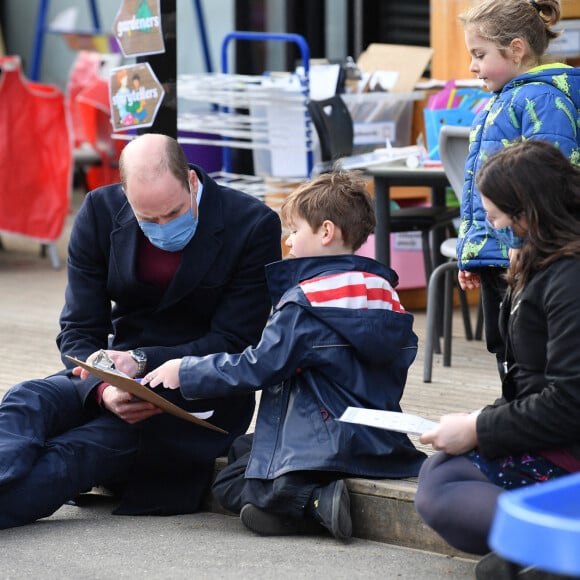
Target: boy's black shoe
<point x="331" y="507"/>
<point x="270" y="524"/>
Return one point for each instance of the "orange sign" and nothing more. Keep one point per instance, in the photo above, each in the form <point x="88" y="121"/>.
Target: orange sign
<point x="137" y="28"/>
<point x="135" y="95"/>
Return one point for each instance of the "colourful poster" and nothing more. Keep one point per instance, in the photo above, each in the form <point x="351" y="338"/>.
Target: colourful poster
<point x="138" y="29"/>
<point x="135" y="95"/>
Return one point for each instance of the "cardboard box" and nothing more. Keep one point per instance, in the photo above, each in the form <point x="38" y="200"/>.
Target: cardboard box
<point x="409" y="62"/>
<point x="379" y="116"/>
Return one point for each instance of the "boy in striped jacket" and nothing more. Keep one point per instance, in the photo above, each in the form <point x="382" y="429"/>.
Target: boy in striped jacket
<point x="337" y="337"/>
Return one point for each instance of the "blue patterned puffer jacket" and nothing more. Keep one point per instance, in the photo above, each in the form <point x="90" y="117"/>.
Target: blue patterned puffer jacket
<point x="543" y="103"/>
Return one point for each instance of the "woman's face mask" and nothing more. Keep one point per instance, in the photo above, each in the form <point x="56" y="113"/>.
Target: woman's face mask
<point x="173" y="235"/>
<point x="499" y="225"/>
<point x="505" y="236"/>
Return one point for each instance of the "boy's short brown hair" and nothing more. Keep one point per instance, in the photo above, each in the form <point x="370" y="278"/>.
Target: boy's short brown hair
<point x="341" y="197"/>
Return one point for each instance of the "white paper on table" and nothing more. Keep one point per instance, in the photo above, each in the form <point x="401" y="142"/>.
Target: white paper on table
<point x="380" y="156"/>
<point x="390" y="420"/>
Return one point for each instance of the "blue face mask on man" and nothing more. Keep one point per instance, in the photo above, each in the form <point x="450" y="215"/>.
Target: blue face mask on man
<point x="174" y="235"/>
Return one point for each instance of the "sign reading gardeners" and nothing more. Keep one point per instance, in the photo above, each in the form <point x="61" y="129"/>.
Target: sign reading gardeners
<point x="135" y="95"/>
<point x="137" y="28"/>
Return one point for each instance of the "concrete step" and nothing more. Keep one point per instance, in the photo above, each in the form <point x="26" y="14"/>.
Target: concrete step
<point x="382" y="511"/>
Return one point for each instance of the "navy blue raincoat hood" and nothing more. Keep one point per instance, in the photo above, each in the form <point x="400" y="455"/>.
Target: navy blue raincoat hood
<point x="376" y="338"/>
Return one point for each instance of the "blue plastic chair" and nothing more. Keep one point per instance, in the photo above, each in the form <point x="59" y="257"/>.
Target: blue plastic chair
<point x="540" y="526"/>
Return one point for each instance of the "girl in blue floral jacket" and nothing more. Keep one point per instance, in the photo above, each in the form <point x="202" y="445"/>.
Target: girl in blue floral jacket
<point x="506" y="40"/>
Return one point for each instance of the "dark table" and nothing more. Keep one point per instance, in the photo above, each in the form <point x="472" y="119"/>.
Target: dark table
<point x="390" y="175"/>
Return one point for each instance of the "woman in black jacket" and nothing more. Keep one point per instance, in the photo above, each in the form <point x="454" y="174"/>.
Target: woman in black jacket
<point x="532" y="433"/>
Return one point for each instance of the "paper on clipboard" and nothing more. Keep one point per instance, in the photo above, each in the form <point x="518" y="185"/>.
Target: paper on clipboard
<point x="132" y="386"/>
<point x="390" y="420"/>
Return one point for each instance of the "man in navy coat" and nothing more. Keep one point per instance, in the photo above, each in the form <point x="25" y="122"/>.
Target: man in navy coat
<point x="164" y="265"/>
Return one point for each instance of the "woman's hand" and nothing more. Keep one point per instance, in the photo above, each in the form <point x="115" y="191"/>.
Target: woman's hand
<point x="167" y="375"/>
<point x="455" y="434"/>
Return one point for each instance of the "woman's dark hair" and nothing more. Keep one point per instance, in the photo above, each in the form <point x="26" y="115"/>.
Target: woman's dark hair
<point x="534" y="179"/>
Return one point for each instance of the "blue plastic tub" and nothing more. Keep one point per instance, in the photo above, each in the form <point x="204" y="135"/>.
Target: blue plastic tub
<point x="540" y="526"/>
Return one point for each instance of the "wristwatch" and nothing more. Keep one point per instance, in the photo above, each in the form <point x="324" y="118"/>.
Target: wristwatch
<point x="141" y="359"/>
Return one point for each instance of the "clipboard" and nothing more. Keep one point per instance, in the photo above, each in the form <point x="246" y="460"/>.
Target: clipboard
<point x="132" y="386"/>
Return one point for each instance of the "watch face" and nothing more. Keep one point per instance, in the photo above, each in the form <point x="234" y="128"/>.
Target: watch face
<point x="138" y="355"/>
<point x="141" y="359"/>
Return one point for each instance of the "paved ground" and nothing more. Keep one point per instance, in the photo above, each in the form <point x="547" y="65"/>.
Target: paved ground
<point x="90" y="543"/>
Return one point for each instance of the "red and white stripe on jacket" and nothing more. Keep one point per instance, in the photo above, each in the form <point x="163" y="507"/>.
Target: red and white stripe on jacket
<point x="355" y="290"/>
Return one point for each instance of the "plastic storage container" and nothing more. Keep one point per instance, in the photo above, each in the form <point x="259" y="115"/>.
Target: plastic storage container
<point x="539" y="526"/>
<point x="381" y="116"/>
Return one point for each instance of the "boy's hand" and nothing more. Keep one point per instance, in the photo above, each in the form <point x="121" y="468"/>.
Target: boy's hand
<point x="167" y="375"/>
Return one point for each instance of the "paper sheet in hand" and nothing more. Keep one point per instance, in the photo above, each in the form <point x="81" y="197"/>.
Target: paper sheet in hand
<point x="142" y="392"/>
<point x="390" y="420"/>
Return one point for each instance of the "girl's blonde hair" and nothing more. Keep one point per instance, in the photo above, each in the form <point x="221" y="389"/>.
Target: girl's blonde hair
<point x="500" y="21"/>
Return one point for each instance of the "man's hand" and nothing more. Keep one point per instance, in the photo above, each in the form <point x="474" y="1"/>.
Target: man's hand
<point x="455" y="434"/>
<point x="468" y="280"/>
<point x="119" y="402"/>
<point x="123" y="361"/>
<point x="127" y="407"/>
<point x="167" y="375"/>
